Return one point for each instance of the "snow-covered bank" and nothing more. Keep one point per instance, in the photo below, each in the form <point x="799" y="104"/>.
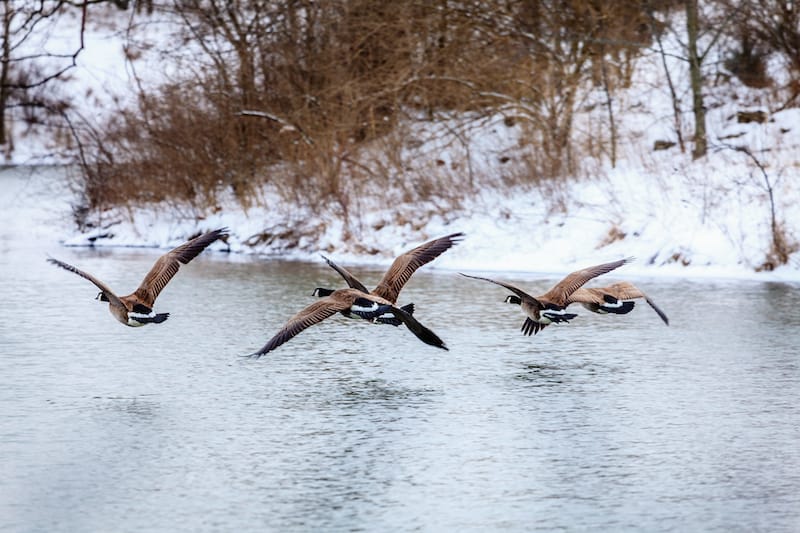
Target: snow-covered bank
<point x="707" y="219"/>
<point x="514" y="234"/>
<point x="530" y="240"/>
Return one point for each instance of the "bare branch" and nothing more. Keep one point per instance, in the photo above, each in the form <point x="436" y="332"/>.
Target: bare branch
<point x="274" y="118"/>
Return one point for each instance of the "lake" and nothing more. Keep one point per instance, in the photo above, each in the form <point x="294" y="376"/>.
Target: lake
<point x="609" y="423"/>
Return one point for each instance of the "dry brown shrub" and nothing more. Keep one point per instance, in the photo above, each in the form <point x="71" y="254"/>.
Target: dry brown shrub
<point x="305" y="96"/>
<point x="614" y="234"/>
<point x="781" y="249"/>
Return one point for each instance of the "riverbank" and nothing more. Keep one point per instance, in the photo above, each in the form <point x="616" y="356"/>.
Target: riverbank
<point x="670" y="231"/>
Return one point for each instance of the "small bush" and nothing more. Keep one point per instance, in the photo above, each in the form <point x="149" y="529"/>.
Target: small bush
<point x="749" y="63"/>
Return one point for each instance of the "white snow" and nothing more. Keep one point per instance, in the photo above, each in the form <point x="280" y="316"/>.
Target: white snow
<point x="707" y="218"/>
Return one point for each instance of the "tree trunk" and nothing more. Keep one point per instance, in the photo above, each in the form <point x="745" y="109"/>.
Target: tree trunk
<point x="612" y="126"/>
<point x="676" y="107"/>
<point x="696" y="77"/>
<point x="5" y="64"/>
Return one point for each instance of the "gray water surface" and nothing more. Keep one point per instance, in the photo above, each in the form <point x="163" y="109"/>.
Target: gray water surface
<point x="610" y="423"/>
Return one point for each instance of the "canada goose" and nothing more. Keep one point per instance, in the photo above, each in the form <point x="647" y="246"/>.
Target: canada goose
<point x="136" y="309"/>
<point x="351" y="303"/>
<point x="398" y="274"/>
<point x="551" y="306"/>
<point x="615" y="298"/>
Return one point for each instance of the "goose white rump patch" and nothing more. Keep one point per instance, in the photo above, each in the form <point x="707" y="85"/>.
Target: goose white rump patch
<point x="133" y="318"/>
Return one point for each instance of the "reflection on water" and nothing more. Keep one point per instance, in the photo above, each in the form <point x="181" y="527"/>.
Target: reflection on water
<point x="608" y="423"/>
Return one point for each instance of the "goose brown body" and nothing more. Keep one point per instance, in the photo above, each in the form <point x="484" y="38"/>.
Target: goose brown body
<point x="136" y="309"/>
<point x="610" y="299"/>
<point x="398" y="274"/>
<point x="550" y="307"/>
<point x="350" y="302"/>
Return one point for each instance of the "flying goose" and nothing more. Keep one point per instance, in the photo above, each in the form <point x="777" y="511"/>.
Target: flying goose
<point x="615" y="298"/>
<point x="352" y="303"/>
<point x="136" y="309"/>
<point x="550" y="307"/>
<point x="398" y="274"/>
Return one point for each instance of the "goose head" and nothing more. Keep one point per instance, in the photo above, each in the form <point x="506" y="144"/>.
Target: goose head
<point x="322" y="292"/>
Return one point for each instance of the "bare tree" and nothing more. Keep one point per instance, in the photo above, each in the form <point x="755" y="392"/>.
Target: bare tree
<point x="696" y="80"/>
<point x="676" y="108"/>
<point x="25" y="69"/>
<point x="702" y="37"/>
<point x="781" y="246"/>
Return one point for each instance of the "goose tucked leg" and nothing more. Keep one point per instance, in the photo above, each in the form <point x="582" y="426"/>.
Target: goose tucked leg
<point x="556" y="314"/>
